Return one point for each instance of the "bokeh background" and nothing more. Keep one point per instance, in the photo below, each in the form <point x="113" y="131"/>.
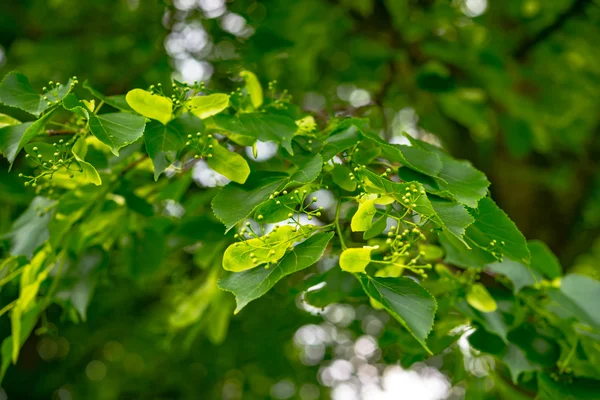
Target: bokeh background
<point x="513" y="86"/>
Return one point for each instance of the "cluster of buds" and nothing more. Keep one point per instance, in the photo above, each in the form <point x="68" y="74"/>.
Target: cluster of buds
<point x="298" y="197"/>
<point x="410" y="197"/>
<point x="496" y="248"/>
<point x="401" y="245"/>
<point x="62" y="158"/>
<point x="201" y="145"/>
<point x="281" y="101"/>
<point x="52" y="92"/>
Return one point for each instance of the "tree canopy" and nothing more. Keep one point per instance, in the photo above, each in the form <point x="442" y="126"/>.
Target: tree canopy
<point x="309" y="199"/>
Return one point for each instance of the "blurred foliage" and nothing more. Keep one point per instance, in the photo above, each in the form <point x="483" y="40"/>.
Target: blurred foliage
<point x="513" y="86"/>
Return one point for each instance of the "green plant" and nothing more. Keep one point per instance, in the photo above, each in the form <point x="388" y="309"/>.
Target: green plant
<point x="413" y="225"/>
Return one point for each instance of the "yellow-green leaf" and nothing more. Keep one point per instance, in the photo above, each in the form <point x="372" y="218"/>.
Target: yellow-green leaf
<point x="480" y="299"/>
<point x="253" y="87"/>
<point x="363" y="218"/>
<point x="229" y="164"/>
<point x="207" y="106"/>
<point x="150" y="105"/>
<point x="251" y="253"/>
<point x="355" y="260"/>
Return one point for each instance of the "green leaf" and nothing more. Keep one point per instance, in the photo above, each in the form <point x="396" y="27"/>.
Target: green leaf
<point x="235" y="202"/>
<point x="457" y="252"/>
<point x="117" y="101"/>
<point x="117" y="130"/>
<point x="308" y="171"/>
<point x="7" y="120"/>
<point x="454" y="216"/>
<point x="16" y="91"/>
<point x="355" y="260"/>
<point x="164" y="142"/>
<point x="457" y="180"/>
<point x="88" y="173"/>
<point x="30" y="230"/>
<point x="363" y="218"/>
<point x="543" y="260"/>
<point x="584" y="292"/>
<point x="480" y="299"/>
<point x="14" y="137"/>
<point x="407" y="301"/>
<point x="207" y="106"/>
<point x="376" y="229"/>
<point x="413" y="157"/>
<point x="228" y="163"/>
<point x="73" y="104"/>
<point x="250" y="285"/>
<point x="251" y="253"/>
<point x="517" y="363"/>
<point x="341" y="177"/>
<point x="492" y="224"/>
<point x="340" y="141"/>
<point x="253" y="87"/>
<point x="520" y="275"/>
<point x="150" y="105"/>
<point x="269" y="128"/>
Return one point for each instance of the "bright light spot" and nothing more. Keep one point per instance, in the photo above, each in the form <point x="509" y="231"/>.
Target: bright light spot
<point x="173" y="209"/>
<point x="264" y="151"/>
<point x="325" y="199"/>
<point x="233" y="23"/>
<point x="283" y="389"/>
<point x="365" y="346"/>
<point x="473" y="8"/>
<point x="184" y="5"/>
<point x="95" y="370"/>
<point x="340" y="314"/>
<point x="211" y="5"/>
<point x="203" y="175"/>
<point x="193" y="70"/>
<point x="341" y="370"/>
<point x="405" y="120"/>
<point x="359" y="98"/>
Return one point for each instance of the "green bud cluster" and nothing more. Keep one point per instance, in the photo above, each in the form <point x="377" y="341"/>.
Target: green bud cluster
<point x="62" y="159"/>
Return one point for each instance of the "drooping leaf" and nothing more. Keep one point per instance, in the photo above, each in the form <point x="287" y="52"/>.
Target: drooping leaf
<point x="363" y="218"/>
<point x="235" y="202"/>
<point x="517" y="362"/>
<point x="340" y="141"/>
<point x="207" y="106"/>
<point x="150" y="105"/>
<point x="454" y="216"/>
<point x="16" y="91"/>
<point x="88" y="172"/>
<point x="253" y="87"/>
<point x="480" y="299"/>
<point x="228" y="163"/>
<point x="250" y="285"/>
<point x="407" y="301"/>
<point x="584" y="292"/>
<point x="117" y="130"/>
